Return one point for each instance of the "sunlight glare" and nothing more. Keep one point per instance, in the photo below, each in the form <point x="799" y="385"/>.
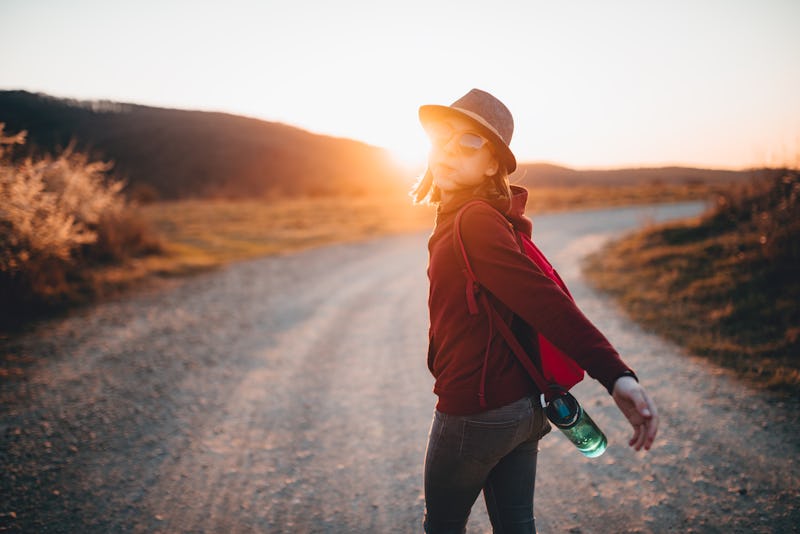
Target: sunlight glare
<point x="409" y="151"/>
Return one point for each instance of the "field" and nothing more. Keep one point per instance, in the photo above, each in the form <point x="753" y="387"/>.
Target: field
<point x="207" y="233"/>
<point x="214" y="232"/>
<point x="197" y="235"/>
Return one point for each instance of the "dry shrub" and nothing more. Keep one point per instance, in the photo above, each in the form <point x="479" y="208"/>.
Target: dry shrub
<point x="769" y="207"/>
<point x="120" y="235"/>
<point x="58" y="217"/>
<point x="726" y="285"/>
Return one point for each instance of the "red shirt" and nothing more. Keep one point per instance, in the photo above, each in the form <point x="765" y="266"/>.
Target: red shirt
<point x="522" y="294"/>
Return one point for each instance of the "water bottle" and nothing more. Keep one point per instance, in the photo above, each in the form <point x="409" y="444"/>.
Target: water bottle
<point x="567" y="414"/>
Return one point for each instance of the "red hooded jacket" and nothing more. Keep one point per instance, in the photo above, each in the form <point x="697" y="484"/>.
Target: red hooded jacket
<point x="522" y="294"/>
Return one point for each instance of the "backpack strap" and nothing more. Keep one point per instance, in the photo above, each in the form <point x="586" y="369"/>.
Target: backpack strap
<point x="473" y="287"/>
<point x="474" y="293"/>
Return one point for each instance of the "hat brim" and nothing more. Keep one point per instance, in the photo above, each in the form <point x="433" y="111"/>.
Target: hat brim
<point x="433" y="112"/>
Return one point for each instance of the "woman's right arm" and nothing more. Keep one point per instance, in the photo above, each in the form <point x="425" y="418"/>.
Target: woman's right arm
<point x="517" y="282"/>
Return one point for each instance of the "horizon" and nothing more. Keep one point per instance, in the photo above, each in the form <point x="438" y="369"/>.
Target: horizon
<point x="590" y="87"/>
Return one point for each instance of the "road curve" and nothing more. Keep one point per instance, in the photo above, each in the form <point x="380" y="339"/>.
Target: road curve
<point x="290" y="394"/>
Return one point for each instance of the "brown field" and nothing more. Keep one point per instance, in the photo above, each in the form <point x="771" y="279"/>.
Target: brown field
<point x="214" y="232"/>
<point x="207" y="233"/>
<point x="550" y="199"/>
<point x="203" y="234"/>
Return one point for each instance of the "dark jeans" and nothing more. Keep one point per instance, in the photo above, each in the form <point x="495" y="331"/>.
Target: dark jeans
<point x="494" y="451"/>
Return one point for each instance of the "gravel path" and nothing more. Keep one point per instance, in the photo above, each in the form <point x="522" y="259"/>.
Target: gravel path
<point x="290" y="394"/>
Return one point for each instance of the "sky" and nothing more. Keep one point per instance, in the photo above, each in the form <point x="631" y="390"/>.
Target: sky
<point x="591" y="83"/>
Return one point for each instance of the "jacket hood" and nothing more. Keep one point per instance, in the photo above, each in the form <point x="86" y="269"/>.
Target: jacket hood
<point x="516" y="213"/>
<point x="513" y="211"/>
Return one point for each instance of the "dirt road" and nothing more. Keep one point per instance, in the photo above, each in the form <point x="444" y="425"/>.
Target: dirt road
<point x="290" y="394"/>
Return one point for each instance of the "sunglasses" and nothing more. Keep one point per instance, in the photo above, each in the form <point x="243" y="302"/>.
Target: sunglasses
<point x="467" y="143"/>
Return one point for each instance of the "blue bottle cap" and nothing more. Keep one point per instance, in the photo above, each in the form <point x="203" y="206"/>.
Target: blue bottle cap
<point x="563" y="411"/>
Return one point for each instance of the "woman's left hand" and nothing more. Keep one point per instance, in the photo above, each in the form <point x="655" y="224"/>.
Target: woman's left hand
<point x="636" y="406"/>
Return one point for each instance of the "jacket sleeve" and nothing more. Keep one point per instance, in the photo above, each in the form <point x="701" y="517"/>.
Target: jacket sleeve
<point x="517" y="282"/>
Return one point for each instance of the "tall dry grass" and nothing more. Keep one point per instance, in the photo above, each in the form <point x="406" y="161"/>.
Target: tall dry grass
<point x="725" y="285"/>
<point x="768" y="208"/>
<point x="59" y="217"/>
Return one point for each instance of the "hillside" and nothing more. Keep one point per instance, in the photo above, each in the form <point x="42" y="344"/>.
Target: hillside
<point x="724" y="286"/>
<point x="171" y="153"/>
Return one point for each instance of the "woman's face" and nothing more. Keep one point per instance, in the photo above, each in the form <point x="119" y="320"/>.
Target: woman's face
<point x="460" y="158"/>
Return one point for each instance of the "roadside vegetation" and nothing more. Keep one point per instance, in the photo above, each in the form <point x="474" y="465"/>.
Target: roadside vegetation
<point x="60" y="217"/>
<point x="725" y="285"/>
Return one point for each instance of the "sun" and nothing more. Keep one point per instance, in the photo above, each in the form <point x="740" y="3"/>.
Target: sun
<point x="409" y="152"/>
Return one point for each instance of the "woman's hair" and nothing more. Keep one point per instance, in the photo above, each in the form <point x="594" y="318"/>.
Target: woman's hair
<point x="495" y="186"/>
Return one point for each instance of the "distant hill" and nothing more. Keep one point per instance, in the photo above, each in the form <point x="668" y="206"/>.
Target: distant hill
<point x="547" y="175"/>
<point x="177" y="153"/>
<point x="172" y="153"/>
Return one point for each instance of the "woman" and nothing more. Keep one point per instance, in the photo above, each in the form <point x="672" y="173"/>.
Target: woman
<point x="488" y="419"/>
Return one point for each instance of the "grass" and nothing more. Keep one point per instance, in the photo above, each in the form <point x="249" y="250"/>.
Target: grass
<point x="203" y="234"/>
<point x="207" y="233"/>
<point x="723" y="285"/>
<point x="549" y="199"/>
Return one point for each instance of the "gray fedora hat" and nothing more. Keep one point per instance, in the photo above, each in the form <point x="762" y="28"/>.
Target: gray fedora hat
<point x="490" y="116"/>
